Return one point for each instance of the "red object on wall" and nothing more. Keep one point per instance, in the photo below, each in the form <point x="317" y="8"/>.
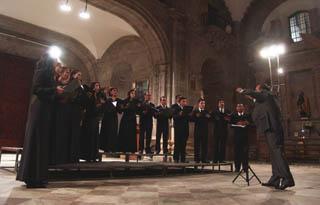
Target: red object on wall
<point x="15" y="87"/>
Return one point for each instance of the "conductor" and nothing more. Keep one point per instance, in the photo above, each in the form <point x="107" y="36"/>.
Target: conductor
<point x="267" y="117"/>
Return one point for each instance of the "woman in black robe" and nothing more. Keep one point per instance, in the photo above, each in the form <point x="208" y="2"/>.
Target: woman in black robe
<point x="33" y="169"/>
<point x="90" y="128"/>
<point x="77" y="112"/>
<point x="128" y="125"/>
<point x="62" y="138"/>
<point x="109" y="125"/>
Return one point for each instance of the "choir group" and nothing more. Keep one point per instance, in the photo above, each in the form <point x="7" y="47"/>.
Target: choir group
<point x="69" y="121"/>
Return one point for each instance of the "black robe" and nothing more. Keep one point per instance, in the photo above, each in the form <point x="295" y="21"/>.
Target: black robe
<point x="61" y="146"/>
<point x="109" y="126"/>
<point x="181" y="132"/>
<point x="90" y="129"/>
<point x="220" y="133"/>
<point x="201" y="124"/>
<point x="241" y="140"/>
<point x="128" y="125"/>
<point x="34" y="162"/>
<point x="77" y="116"/>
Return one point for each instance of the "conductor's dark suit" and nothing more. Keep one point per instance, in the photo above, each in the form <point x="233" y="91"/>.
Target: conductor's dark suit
<point x="267" y="118"/>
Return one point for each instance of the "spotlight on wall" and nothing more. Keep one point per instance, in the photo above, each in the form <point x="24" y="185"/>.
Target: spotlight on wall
<point x="280" y="71"/>
<point x="55" y="52"/>
<point x="85" y="14"/>
<point x="65" y="6"/>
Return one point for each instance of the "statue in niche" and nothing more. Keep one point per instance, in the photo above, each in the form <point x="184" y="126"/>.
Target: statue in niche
<point x="303" y="105"/>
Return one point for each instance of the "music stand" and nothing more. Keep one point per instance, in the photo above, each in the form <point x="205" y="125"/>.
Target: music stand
<point x="247" y="178"/>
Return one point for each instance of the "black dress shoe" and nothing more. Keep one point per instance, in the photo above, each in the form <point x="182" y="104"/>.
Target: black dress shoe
<point x="285" y="184"/>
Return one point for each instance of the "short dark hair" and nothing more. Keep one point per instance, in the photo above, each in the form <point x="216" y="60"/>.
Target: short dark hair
<point x="111" y="89"/>
<point x="182" y="98"/>
<point x="220" y="99"/>
<point x="75" y="71"/>
<point x="178" y="97"/>
<point x="163" y="97"/>
<point x="93" y="84"/>
<point x="131" y="90"/>
<point x="201" y="99"/>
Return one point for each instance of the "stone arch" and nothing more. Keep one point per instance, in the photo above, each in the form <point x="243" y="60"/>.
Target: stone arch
<point x="254" y="18"/>
<point x="128" y="50"/>
<point x="148" y="28"/>
<point x="41" y="36"/>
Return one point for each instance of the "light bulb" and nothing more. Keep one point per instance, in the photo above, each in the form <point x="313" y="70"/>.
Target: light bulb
<point x="280" y="71"/>
<point x="84" y="15"/>
<point x="65" y="7"/>
<point x="55" y="52"/>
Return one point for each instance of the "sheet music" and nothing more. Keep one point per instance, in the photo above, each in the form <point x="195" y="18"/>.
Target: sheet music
<point x="241" y="126"/>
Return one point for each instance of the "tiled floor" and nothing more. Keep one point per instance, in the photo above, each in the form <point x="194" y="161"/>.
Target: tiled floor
<point x="191" y="189"/>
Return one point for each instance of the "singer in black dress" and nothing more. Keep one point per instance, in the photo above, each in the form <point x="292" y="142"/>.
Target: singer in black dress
<point x="109" y="126"/>
<point x="33" y="169"/>
<point x="90" y="128"/>
<point x="128" y="125"/>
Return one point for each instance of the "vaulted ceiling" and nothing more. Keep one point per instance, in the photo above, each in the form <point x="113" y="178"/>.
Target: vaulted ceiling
<point x="237" y="8"/>
<point x="97" y="33"/>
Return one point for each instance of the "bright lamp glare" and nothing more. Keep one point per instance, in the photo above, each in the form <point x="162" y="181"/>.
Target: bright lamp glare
<point x="84" y="15"/>
<point x="273" y="51"/>
<point x="281" y="49"/>
<point x="264" y="53"/>
<point x="55" y="52"/>
<point x="280" y="71"/>
<point x="65" y="7"/>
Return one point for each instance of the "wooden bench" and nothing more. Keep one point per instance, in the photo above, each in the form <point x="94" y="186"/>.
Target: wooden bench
<point x="10" y="150"/>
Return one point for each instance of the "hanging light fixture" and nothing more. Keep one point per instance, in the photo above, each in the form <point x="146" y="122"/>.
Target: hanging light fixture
<point x="84" y="14"/>
<point x="65" y="6"/>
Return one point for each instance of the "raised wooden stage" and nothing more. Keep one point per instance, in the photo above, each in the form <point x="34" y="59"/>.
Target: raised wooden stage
<point x="133" y="163"/>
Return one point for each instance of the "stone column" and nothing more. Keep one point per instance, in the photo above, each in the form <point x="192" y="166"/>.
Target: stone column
<point x="178" y="49"/>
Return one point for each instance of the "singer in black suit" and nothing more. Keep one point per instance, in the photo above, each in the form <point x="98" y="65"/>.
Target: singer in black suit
<point x="240" y="122"/>
<point x="162" y="115"/>
<point x="146" y="123"/>
<point x="221" y="117"/>
<point x="181" y="130"/>
<point x="267" y="118"/>
<point x="200" y="117"/>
